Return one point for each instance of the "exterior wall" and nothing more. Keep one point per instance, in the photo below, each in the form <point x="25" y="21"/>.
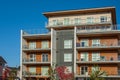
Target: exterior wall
<point x="83" y="17"/>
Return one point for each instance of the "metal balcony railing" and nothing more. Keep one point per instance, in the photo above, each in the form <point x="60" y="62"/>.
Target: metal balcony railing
<point x="101" y="45"/>
<point x="87" y="29"/>
<point x="101" y="59"/>
<point x="73" y="22"/>
<point x="34" y="48"/>
<point x="33" y="74"/>
<point x="35" y="31"/>
<point x="34" y="61"/>
<point x="108" y="73"/>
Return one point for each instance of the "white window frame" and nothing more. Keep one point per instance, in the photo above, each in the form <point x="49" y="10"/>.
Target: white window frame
<point x="32" y="69"/>
<point x="90" y="20"/>
<point x="77" y="20"/>
<point x="66" y="21"/>
<point x="44" y="70"/>
<point x="84" y="56"/>
<point x="103" y="19"/>
<point x="32" y="45"/>
<point x="68" y="69"/>
<point x="67" y="57"/>
<point x="85" y="41"/>
<point x="67" y="44"/>
<point x="55" y="22"/>
<point x="95" y="56"/>
<point x="45" y="57"/>
<point x="32" y="57"/>
<point x="45" y="44"/>
<point x="85" y="72"/>
<point x="96" y="42"/>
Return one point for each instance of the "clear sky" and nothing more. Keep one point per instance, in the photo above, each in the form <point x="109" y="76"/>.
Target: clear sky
<point x="27" y="14"/>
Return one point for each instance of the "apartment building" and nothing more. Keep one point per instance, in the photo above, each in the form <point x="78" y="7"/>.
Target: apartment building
<point x="78" y="39"/>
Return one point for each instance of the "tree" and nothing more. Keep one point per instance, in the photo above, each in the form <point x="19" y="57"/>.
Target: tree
<point x="97" y="74"/>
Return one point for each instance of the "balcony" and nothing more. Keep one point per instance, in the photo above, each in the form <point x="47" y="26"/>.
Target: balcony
<point x="97" y="31"/>
<point x="72" y="22"/>
<point x="112" y="46"/>
<point x="109" y="74"/>
<point x="102" y="60"/>
<point x="30" y="74"/>
<point x="28" y="61"/>
<point x="36" y="34"/>
<point x="26" y="48"/>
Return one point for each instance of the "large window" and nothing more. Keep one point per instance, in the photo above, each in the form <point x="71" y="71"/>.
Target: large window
<point x="77" y="20"/>
<point x="32" y="69"/>
<point x="84" y="70"/>
<point x="103" y="18"/>
<point x="67" y="57"/>
<point x="90" y="20"/>
<point x="44" y="70"/>
<point x="84" y="43"/>
<point x="32" y="57"/>
<point x="67" y="44"/>
<point x="66" y="21"/>
<point x="84" y="56"/>
<point x="45" y="44"/>
<point x="32" y="45"/>
<point x="96" y="56"/>
<point x="95" y="42"/>
<point x="44" y="57"/>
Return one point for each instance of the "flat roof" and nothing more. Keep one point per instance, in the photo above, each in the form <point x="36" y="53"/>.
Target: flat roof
<point x="79" y="11"/>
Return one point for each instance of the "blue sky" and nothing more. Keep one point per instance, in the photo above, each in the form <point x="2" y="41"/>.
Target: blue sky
<point x="27" y="14"/>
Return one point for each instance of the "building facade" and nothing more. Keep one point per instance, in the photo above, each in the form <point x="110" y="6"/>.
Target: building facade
<point x="78" y="39"/>
<point x="2" y="66"/>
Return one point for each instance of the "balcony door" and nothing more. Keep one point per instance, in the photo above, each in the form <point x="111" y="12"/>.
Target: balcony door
<point x="44" y="57"/>
<point x="45" y="44"/>
<point x="84" y="56"/>
<point x="32" y="57"/>
<point x="96" y="56"/>
<point x="44" y="70"/>
<point x="32" y="45"/>
<point x="96" y="42"/>
<point x="84" y="70"/>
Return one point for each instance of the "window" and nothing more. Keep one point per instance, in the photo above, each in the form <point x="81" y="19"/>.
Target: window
<point x="67" y="57"/>
<point x="84" y="43"/>
<point x="95" y="56"/>
<point x="84" y="70"/>
<point x="32" y="45"/>
<point x="67" y="44"/>
<point x="44" y="70"/>
<point x="68" y="69"/>
<point x="89" y="19"/>
<point x="102" y="58"/>
<point x="55" y="22"/>
<point x="45" y="44"/>
<point x="44" y="57"/>
<point x="103" y="19"/>
<point x="95" y="68"/>
<point x="32" y="69"/>
<point x="66" y="21"/>
<point x="77" y="20"/>
<point x="84" y="56"/>
<point x="32" y="57"/>
<point x="95" y="42"/>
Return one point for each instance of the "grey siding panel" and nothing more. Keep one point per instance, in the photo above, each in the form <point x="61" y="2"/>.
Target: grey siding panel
<point x="61" y="36"/>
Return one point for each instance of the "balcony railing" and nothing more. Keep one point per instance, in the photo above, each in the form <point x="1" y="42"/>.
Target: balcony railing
<point x="87" y="29"/>
<point x="35" y="31"/>
<point x="104" y="45"/>
<point x="108" y="73"/>
<point x="102" y="59"/>
<point x="34" y="74"/>
<point x="34" y="61"/>
<point x="34" y="48"/>
<point x="72" y="22"/>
